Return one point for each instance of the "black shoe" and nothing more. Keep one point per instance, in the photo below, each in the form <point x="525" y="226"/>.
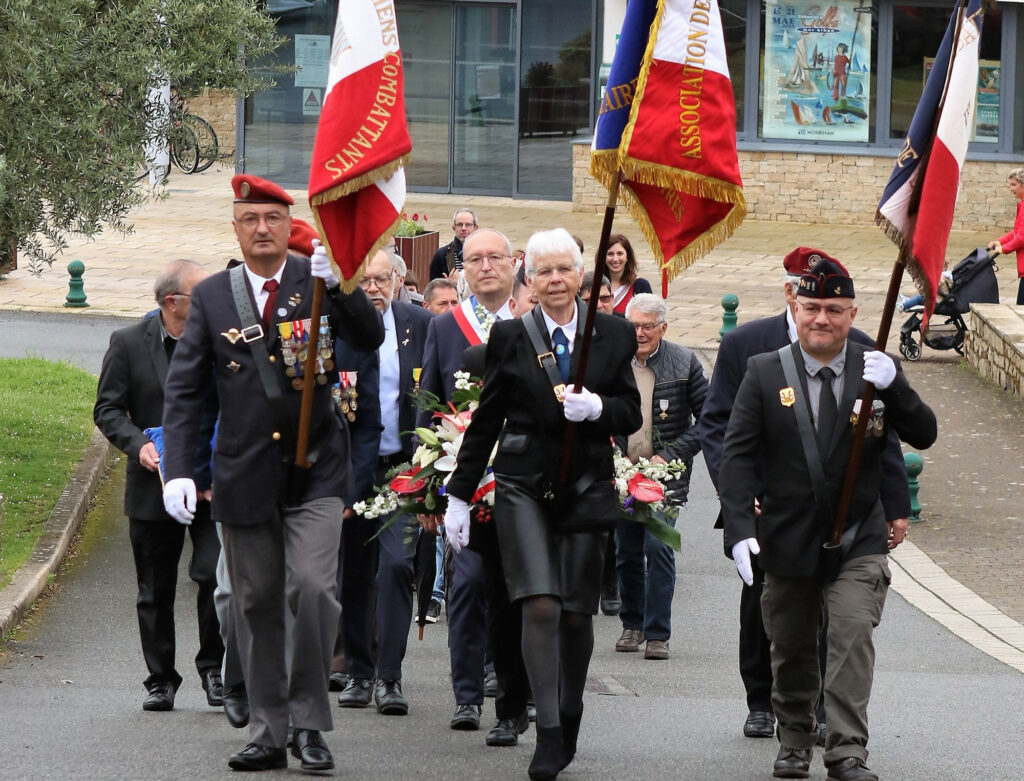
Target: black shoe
<point x="547" y="757"/>
<point x="389" y="698"/>
<point x="759" y="724"/>
<point x="610" y="603"/>
<point x="309" y="746"/>
<point x="160" y="697"/>
<point x="466" y="717"/>
<point x="213" y="687"/>
<point x="337" y="682"/>
<point x="822" y="733"/>
<point x="357" y="694"/>
<point x="850" y="769"/>
<point x="255" y="757"/>
<point x="490" y="684"/>
<point x="507" y="731"/>
<point x="236" y="705"/>
<point x="433" y="611"/>
<point x="792" y="762"/>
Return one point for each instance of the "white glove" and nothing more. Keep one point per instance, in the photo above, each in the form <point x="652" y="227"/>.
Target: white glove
<point x="879" y="369"/>
<point x="180" y="499"/>
<point x="456" y="523"/>
<point x="581" y="406"/>
<point x="321" y="267"/>
<point x="741" y="553"/>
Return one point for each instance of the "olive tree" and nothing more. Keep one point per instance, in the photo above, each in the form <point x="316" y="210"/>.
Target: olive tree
<point x="75" y="115"/>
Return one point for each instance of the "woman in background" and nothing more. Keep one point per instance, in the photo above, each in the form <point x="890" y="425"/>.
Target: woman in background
<point x="622" y="271"/>
<point x="1014" y="240"/>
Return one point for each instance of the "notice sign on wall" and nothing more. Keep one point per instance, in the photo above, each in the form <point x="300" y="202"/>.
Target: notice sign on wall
<point x="312" y="101"/>
<point x="312" y="57"/>
<point x="817" y="63"/>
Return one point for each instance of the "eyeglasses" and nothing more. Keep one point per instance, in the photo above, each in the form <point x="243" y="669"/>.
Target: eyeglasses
<point x="186" y="295"/>
<point x="604" y="299"/>
<point x="647" y="328"/>
<point x="477" y="260"/>
<point x="465" y="225"/>
<point x="274" y="220"/>
<point x="813" y="310"/>
<point x="380" y="281"/>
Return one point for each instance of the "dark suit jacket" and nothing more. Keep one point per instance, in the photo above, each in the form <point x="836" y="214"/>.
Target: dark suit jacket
<point x="365" y="430"/>
<point x="442" y="357"/>
<point x="130" y="399"/>
<point x="767" y="335"/>
<point x="251" y="466"/>
<point x="517" y="390"/>
<point x="763" y="432"/>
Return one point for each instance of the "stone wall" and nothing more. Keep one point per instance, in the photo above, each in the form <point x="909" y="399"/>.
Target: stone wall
<point x="828" y="188"/>
<point x="994" y="345"/>
<point x="219" y="109"/>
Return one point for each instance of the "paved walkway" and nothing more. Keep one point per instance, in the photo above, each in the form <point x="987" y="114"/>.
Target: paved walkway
<point x="972" y="487"/>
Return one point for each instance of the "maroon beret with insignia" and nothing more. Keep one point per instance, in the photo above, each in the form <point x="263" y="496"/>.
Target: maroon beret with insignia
<point x="253" y="189"/>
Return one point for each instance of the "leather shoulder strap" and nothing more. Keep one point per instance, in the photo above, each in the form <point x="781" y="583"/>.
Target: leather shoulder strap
<point x="806" y="428"/>
<point x="545" y="357"/>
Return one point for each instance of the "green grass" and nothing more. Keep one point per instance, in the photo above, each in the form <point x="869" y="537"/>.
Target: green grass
<point x="45" y="424"/>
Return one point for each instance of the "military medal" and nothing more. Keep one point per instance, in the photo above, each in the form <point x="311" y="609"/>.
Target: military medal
<point x="416" y="372"/>
<point x="234" y="366"/>
<point x="663" y="403"/>
<point x="232" y="335"/>
<point x="294" y="299"/>
<point x="787" y="396"/>
<point x="297" y="383"/>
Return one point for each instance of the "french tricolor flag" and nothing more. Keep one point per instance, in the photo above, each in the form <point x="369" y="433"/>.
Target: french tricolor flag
<point x="356" y="179"/>
<point x="677" y="148"/>
<point x="916" y="209"/>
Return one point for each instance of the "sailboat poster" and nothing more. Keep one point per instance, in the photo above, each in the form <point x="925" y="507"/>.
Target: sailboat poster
<point x="817" y="71"/>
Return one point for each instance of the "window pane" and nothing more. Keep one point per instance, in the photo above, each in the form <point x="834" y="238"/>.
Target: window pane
<point x="734" y="27"/>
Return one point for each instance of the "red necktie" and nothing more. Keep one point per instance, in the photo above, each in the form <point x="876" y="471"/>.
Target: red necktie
<point x="270" y="286"/>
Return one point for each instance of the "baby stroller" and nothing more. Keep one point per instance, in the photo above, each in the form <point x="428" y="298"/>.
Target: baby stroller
<point x="974" y="282"/>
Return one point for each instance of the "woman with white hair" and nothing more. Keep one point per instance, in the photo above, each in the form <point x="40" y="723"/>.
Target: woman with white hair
<point x="551" y="567"/>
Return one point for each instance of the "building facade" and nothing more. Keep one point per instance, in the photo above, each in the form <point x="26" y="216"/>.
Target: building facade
<point x="501" y="97"/>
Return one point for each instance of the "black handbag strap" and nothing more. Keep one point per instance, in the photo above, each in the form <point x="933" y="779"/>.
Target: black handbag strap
<point x="545" y="357"/>
<point x="806" y="428"/>
<point x="252" y="335"/>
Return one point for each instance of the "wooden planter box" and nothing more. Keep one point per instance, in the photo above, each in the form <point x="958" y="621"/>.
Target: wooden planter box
<point x="417" y="251"/>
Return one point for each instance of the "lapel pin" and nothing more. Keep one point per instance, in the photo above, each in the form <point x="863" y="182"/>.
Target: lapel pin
<point x="234" y="367"/>
<point x="295" y="299"/>
<point x="232" y="335"/>
<point x="787" y="396"/>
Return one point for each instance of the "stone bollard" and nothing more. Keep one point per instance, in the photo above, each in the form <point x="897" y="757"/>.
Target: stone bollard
<point x="76" y="287"/>
<point x="915" y="465"/>
<point x="730" y="302"/>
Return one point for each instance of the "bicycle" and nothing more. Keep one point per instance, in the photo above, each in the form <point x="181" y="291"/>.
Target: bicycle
<point x="192" y="140"/>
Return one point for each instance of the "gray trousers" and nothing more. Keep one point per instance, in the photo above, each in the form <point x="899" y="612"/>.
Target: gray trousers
<point x="791" y="608"/>
<point x="231" y="669"/>
<point x="290" y="562"/>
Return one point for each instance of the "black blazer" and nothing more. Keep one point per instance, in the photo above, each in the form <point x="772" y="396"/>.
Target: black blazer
<point x="517" y="390"/>
<point x="763" y="433"/>
<point x="442" y="357"/>
<point x="365" y="429"/>
<point x="251" y="465"/>
<point x="767" y="335"/>
<point x="130" y="399"/>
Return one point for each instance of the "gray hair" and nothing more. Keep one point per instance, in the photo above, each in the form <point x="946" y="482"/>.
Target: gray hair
<point x="649" y="304"/>
<point x="508" y="244"/>
<point x="791" y="279"/>
<point x="434" y="284"/>
<point x="588" y="281"/>
<point x="397" y="262"/>
<point x="1017" y="173"/>
<point x="470" y="212"/>
<point x="172" y="277"/>
<point x="558" y="241"/>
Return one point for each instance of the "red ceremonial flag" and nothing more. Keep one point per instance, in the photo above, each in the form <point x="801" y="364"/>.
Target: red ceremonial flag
<point x="677" y="152"/>
<point x="356" y="180"/>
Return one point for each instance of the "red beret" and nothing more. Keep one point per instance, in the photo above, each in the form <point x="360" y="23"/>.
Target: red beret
<point x="253" y="189"/>
<point x="301" y="238"/>
<point x="800" y="260"/>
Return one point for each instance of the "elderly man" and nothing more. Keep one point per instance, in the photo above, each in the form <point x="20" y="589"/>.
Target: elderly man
<point x="440" y="296"/>
<point x="605" y="300"/>
<point x="448" y="258"/>
<point x="765" y="335"/>
<point x="129" y="402"/>
<point x="281" y="520"/>
<point x="672" y="387"/>
<point x="397" y="360"/>
<point x="555" y="576"/>
<point x="786" y="449"/>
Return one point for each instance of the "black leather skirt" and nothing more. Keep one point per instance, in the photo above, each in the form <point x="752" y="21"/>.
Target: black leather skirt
<point x="536" y="560"/>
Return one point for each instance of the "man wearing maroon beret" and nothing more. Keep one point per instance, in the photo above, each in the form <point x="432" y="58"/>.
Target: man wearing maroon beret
<point x="739" y="345"/>
<point x="281" y="522"/>
<point x="786" y="449"/>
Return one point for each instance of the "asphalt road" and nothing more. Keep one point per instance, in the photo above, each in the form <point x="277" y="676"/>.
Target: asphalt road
<point x="80" y="339"/>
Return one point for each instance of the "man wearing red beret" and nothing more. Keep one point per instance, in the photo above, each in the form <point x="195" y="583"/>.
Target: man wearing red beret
<point x="281" y="522"/>
<point x="782" y="475"/>
<point x="740" y="344"/>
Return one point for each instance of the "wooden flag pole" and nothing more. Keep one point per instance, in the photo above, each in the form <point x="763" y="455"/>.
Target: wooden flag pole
<point x="600" y="265"/>
<point x="308" y="372"/>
